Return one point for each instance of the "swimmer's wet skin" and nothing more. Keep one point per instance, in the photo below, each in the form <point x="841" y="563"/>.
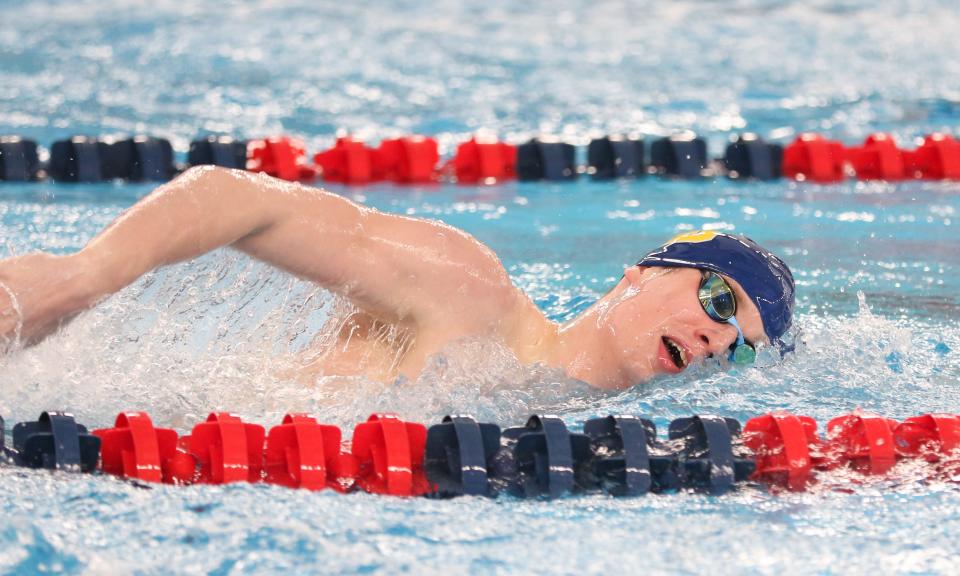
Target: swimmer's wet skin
<point x="700" y="295"/>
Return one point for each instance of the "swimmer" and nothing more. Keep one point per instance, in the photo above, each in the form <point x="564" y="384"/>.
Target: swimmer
<point x="700" y="295"/>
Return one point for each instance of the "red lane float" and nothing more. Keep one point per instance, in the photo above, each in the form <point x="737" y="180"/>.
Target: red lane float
<point x="937" y="158"/>
<point x="931" y="436"/>
<point x="227" y="449"/>
<point x="878" y="159"/>
<point x="303" y="454"/>
<point x="863" y="441"/>
<point x="408" y="160"/>
<point x="783" y="445"/>
<point x="936" y="439"/>
<point x="485" y="160"/>
<point x="389" y="454"/>
<point x="350" y="161"/>
<point x="281" y="157"/>
<point x="134" y="449"/>
<point x="813" y="157"/>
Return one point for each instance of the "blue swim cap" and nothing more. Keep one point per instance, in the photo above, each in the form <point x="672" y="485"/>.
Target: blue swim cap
<point x="765" y="278"/>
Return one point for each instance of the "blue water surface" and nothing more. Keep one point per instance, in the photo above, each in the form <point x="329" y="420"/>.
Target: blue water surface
<point x="876" y="265"/>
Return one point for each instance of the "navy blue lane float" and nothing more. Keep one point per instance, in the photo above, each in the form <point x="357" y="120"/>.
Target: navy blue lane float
<point x="19" y="161"/>
<point x="546" y="159"/>
<point x="218" y="151"/>
<point x="143" y="158"/>
<point x="542" y="459"/>
<point x="708" y="458"/>
<point x="77" y="159"/>
<point x="682" y="156"/>
<point x="55" y="442"/>
<point x="615" y="157"/>
<point x="87" y="159"/>
<point x="622" y="447"/>
<point x="749" y="156"/>
<point x="459" y="456"/>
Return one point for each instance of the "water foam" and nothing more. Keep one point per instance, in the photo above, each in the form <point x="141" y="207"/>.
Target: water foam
<point x="227" y="333"/>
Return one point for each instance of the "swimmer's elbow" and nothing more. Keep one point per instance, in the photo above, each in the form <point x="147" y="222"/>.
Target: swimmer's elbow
<point x="208" y="177"/>
<point x="227" y="191"/>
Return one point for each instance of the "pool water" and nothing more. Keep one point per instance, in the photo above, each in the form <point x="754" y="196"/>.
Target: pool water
<point x="876" y="266"/>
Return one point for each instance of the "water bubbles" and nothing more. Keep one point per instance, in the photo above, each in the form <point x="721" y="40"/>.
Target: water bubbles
<point x="227" y="333"/>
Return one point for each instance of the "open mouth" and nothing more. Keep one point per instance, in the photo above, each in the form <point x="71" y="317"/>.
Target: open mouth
<point x="677" y="354"/>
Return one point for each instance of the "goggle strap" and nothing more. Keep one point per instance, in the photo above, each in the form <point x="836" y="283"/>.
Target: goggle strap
<point x="740" y="339"/>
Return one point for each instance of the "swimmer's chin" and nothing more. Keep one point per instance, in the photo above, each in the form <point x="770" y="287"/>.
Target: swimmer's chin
<point x="691" y="372"/>
<point x="648" y="378"/>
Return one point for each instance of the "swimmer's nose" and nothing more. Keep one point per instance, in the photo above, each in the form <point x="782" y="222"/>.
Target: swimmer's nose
<point x="716" y="339"/>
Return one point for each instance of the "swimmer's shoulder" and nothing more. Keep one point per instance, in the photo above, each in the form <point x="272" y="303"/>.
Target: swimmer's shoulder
<point x="462" y="269"/>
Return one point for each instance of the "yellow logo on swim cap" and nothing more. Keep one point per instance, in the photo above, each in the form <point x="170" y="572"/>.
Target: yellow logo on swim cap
<point x="695" y="236"/>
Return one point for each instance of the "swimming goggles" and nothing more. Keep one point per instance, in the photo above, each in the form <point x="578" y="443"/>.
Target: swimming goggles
<point x="720" y="304"/>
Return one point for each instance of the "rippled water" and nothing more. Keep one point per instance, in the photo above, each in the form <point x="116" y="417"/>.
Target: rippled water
<point x="876" y="266"/>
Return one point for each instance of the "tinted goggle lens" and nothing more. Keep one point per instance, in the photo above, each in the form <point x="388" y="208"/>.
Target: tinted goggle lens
<point x="717" y="297"/>
<point x="743" y="353"/>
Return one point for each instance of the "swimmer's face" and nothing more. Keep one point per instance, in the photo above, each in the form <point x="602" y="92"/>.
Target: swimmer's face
<point x="658" y="326"/>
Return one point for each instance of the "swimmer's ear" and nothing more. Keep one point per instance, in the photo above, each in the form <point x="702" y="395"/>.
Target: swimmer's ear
<point x="634" y="274"/>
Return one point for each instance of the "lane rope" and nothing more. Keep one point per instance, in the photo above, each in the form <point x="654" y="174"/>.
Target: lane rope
<point x="618" y="455"/>
<point x="481" y="160"/>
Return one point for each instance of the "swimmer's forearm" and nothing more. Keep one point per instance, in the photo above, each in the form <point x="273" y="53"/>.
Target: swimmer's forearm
<point x="200" y="211"/>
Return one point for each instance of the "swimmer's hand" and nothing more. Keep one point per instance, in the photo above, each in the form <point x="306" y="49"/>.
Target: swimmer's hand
<point x="38" y="293"/>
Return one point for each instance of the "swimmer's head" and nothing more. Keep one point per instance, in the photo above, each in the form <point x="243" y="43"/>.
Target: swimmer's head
<point x="700" y="295"/>
<point x="764" y="277"/>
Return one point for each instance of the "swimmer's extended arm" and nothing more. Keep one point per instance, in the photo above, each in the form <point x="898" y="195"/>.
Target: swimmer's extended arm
<point x="402" y="269"/>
